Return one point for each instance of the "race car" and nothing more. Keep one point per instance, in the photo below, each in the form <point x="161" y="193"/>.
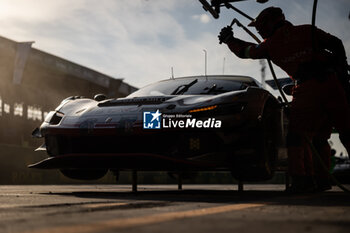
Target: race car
<point x="188" y="124"/>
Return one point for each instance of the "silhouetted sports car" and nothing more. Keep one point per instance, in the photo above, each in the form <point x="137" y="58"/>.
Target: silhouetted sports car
<point x="198" y="123"/>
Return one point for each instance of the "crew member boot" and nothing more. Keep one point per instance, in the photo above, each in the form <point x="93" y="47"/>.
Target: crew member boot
<point x="301" y="184"/>
<point x="322" y="184"/>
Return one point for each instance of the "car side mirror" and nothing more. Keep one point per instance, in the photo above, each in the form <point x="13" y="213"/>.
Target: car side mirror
<point x="288" y="89"/>
<point x="100" y="97"/>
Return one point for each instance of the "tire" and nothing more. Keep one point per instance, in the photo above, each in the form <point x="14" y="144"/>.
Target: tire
<point x="269" y="145"/>
<point x="259" y="163"/>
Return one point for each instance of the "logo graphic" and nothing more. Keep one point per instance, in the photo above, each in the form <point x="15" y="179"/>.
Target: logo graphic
<point x="151" y="120"/>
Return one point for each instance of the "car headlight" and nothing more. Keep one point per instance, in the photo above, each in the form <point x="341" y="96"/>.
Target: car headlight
<point x="203" y="109"/>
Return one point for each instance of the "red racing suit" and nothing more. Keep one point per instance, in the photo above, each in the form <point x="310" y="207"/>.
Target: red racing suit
<point x="310" y="56"/>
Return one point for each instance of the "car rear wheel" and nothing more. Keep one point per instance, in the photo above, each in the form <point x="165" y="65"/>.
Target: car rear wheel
<point x="269" y="147"/>
<point x="257" y="163"/>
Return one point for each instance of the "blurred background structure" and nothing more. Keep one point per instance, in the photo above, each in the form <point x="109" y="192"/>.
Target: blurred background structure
<point x="32" y="83"/>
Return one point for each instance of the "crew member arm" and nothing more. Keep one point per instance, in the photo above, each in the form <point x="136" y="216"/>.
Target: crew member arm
<point x="244" y="49"/>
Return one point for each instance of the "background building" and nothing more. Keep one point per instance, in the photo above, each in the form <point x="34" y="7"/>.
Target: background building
<point x="32" y="83"/>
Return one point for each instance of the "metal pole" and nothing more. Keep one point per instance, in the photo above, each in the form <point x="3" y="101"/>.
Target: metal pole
<point x="179" y="182"/>
<point x="263" y="67"/>
<point x="205" y="61"/>
<point x="223" y="67"/>
<point x="240" y="186"/>
<point x="172" y="73"/>
<point x="134" y="181"/>
<point x="228" y="6"/>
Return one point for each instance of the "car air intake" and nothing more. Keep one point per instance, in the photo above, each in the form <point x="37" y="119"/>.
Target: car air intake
<point x="134" y="101"/>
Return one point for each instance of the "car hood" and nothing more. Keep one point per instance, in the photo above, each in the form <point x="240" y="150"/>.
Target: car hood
<point x="80" y="109"/>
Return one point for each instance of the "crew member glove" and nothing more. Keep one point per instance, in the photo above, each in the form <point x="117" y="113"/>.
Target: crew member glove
<point x="226" y="35"/>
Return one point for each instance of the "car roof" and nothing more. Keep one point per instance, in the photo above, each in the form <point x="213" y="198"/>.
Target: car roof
<point x="239" y="78"/>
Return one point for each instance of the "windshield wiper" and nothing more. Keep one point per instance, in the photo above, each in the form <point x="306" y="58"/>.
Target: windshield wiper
<point x="183" y="88"/>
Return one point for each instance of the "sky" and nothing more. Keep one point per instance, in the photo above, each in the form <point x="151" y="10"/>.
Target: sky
<point x="141" y="40"/>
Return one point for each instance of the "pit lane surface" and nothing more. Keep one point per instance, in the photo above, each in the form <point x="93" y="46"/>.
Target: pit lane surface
<point x="163" y="208"/>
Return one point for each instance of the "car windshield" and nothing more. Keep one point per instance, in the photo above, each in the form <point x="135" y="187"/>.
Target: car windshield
<point x="191" y="86"/>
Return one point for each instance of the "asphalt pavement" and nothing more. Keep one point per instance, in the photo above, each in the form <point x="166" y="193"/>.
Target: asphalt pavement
<point x="163" y="208"/>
